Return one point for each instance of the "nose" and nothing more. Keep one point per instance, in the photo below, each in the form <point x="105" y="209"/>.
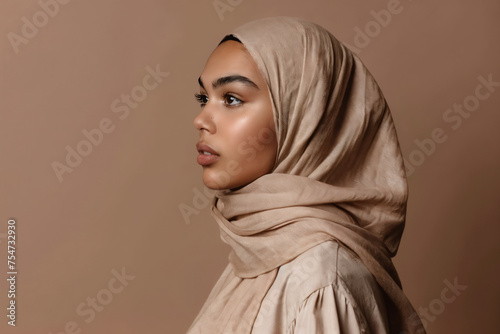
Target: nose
<point x="205" y="120"/>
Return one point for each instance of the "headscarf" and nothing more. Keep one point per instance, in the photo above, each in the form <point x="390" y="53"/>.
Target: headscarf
<point x="338" y="175"/>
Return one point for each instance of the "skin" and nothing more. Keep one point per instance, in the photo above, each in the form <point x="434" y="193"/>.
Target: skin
<point x="236" y="119"/>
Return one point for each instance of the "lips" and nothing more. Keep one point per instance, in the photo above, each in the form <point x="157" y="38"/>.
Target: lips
<point x="207" y="155"/>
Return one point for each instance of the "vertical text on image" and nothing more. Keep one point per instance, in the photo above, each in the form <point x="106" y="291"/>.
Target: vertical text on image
<point x="12" y="271"/>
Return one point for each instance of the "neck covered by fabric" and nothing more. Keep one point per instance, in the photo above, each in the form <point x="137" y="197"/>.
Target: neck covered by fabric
<point x="338" y="175"/>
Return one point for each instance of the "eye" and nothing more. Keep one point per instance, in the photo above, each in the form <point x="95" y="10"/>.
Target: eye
<point x="231" y="100"/>
<point x="201" y="98"/>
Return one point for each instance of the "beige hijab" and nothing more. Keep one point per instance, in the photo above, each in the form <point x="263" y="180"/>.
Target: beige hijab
<point x="338" y="175"/>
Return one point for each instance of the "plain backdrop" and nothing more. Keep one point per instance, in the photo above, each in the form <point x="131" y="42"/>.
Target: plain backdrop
<point x="67" y="68"/>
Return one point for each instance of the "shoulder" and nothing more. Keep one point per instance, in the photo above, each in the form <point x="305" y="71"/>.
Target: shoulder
<point x="327" y="283"/>
<point x="313" y="269"/>
<point x="324" y="265"/>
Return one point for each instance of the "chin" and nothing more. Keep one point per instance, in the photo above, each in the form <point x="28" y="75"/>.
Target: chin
<point x="212" y="186"/>
<point x="215" y="183"/>
<point x="221" y="182"/>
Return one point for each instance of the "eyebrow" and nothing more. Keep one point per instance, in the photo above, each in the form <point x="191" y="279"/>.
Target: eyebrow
<point x="229" y="79"/>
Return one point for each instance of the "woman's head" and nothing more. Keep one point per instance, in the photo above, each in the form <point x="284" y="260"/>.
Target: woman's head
<point x="236" y="120"/>
<point x="331" y="121"/>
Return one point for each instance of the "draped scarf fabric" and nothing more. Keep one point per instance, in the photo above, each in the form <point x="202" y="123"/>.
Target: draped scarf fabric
<point x="338" y="175"/>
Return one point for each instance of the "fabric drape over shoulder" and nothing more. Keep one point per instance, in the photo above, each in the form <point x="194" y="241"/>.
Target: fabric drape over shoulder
<point x="338" y="175"/>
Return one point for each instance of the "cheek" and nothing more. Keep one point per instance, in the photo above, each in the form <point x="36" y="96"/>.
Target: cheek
<point x="244" y="128"/>
<point x="254" y="132"/>
<point x="253" y="147"/>
<point x="255" y="122"/>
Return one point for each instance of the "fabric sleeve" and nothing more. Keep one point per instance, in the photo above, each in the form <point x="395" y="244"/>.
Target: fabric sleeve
<point x="328" y="310"/>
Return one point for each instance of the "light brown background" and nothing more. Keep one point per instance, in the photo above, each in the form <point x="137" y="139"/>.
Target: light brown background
<point x="120" y="207"/>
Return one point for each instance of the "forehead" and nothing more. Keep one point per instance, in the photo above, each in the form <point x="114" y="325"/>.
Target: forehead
<point x="230" y="57"/>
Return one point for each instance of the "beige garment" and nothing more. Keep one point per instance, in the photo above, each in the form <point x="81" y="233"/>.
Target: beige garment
<point x="338" y="175"/>
<point x="324" y="290"/>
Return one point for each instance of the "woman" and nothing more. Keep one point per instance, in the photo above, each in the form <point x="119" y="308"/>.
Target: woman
<point x="298" y="141"/>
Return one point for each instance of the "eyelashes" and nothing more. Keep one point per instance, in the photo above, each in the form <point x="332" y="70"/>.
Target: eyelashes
<point x="229" y="100"/>
<point x="201" y="98"/>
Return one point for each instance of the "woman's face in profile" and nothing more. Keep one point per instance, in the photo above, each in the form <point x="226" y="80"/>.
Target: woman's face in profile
<point x="236" y="122"/>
